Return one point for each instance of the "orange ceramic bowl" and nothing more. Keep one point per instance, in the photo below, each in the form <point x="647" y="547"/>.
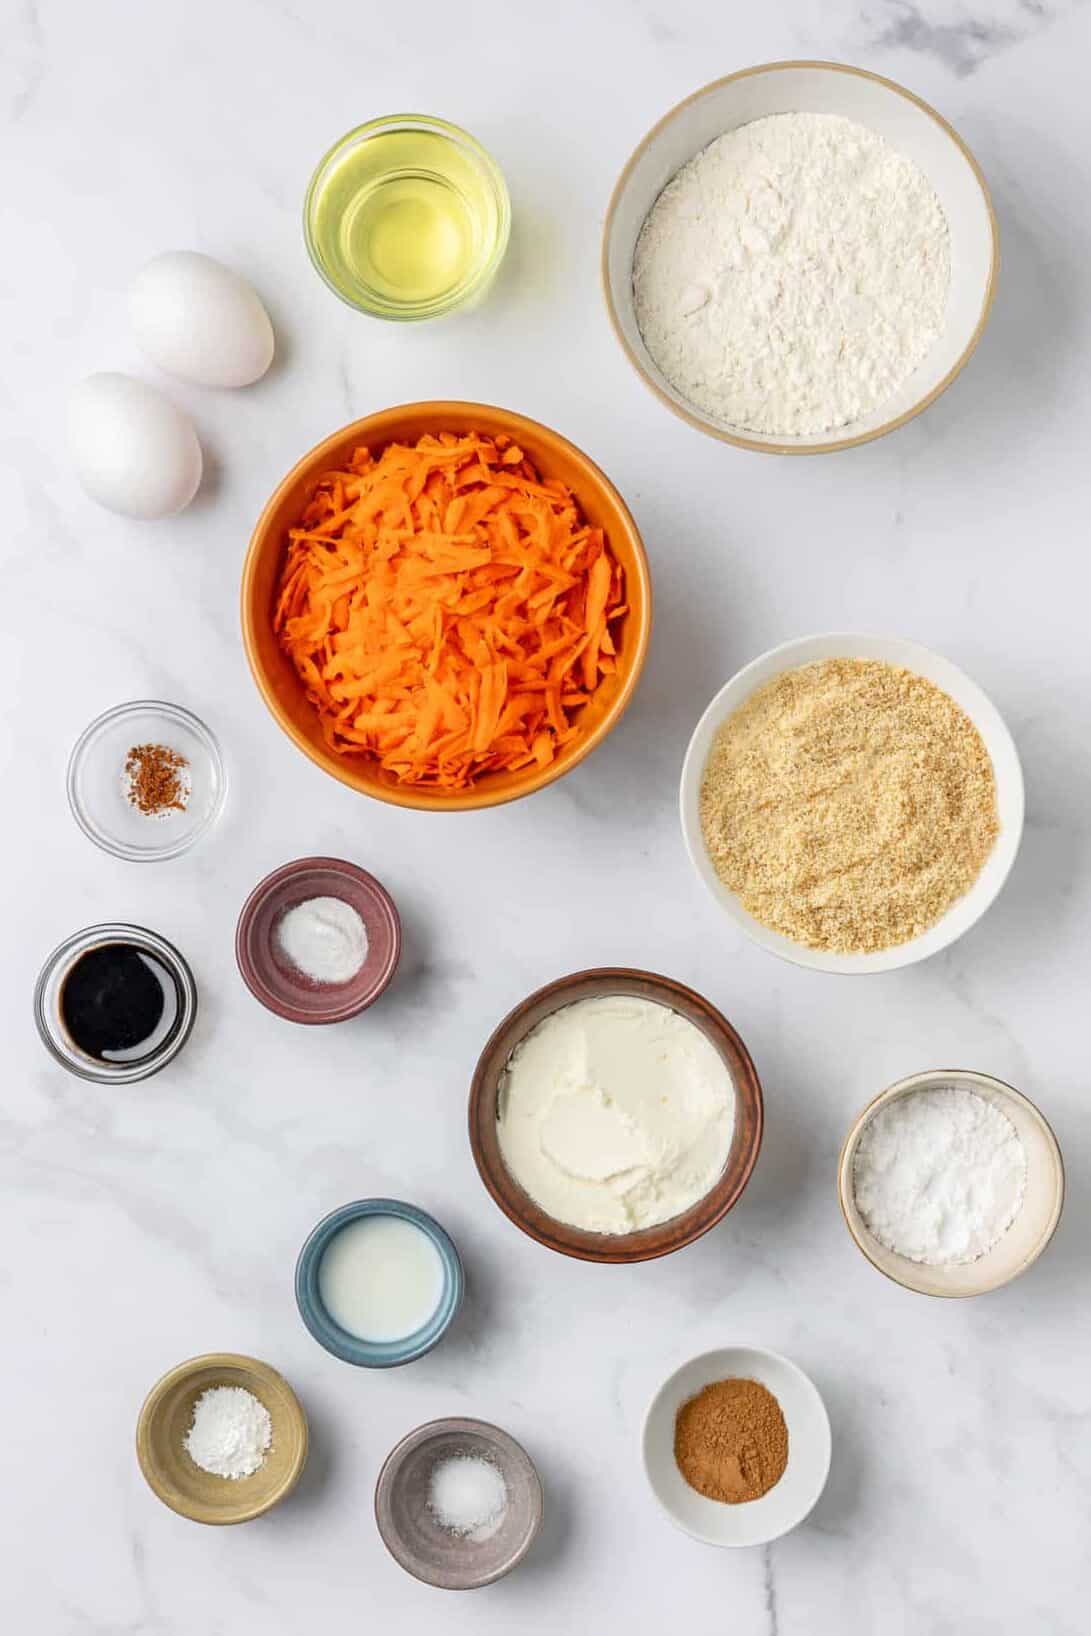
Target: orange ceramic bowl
<point x="554" y="456"/>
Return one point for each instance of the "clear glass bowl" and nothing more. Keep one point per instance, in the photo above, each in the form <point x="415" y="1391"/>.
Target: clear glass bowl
<point x="402" y="184"/>
<point x="170" y="1035"/>
<point x="97" y="786"/>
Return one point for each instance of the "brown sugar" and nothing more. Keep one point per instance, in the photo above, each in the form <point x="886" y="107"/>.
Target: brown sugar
<point x="731" y="1442"/>
<point x="848" y="804"/>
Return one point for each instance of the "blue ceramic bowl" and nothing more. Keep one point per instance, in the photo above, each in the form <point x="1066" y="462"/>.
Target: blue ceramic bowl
<point x="376" y="1354"/>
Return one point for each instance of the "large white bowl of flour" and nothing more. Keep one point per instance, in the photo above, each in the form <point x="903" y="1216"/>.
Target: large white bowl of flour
<point x="777" y="306"/>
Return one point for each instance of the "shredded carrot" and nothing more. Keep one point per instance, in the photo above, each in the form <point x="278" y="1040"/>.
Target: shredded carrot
<point x="447" y="609"/>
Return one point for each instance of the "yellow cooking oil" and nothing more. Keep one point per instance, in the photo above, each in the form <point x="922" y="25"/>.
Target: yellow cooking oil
<point x="407" y="217"/>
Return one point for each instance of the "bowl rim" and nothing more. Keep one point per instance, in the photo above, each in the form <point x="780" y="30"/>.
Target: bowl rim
<point x="262" y="1372"/>
<point x="649" y="1243"/>
<point x="378" y="427"/>
<point x="911" y="654"/>
<point x="359" y="134"/>
<point x="337" y="1341"/>
<point x="467" y="1425"/>
<point x="269" y="884"/>
<point x="107" y="718"/>
<point x="834" y="445"/>
<point x="823" y="1422"/>
<point x="924" y="1080"/>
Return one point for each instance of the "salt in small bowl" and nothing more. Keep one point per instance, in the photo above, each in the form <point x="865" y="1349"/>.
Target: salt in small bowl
<point x="418" y="1542"/>
<point x="273" y="980"/>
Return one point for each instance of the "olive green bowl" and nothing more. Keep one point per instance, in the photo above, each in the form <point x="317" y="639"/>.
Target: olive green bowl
<point x="168" y="1414"/>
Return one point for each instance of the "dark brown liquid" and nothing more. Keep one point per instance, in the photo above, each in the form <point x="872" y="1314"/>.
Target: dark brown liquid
<point x="113" y="1000"/>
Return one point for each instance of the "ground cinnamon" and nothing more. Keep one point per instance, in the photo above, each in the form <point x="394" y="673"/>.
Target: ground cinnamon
<point x="158" y="779"/>
<point x="731" y="1442"/>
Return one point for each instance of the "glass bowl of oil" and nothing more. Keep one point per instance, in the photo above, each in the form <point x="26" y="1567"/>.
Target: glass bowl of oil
<point x="407" y="217"/>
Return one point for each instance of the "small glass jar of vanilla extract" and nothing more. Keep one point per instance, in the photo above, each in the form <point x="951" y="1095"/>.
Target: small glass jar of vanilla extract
<point x="115" y="1003"/>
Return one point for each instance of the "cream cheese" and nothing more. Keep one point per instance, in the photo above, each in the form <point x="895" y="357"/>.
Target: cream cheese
<point x="616" y="1114"/>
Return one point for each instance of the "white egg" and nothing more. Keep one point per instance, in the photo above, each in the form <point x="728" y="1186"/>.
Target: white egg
<point x="197" y="319"/>
<point x="132" y="449"/>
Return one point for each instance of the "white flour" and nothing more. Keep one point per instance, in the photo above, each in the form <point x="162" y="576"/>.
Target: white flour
<point x="939" y="1175"/>
<point x="792" y="275"/>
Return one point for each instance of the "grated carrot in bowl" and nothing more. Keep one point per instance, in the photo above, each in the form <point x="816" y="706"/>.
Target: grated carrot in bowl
<point x="448" y="611"/>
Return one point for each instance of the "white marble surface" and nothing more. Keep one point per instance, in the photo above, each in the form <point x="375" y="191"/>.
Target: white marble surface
<point x="145" y="1225"/>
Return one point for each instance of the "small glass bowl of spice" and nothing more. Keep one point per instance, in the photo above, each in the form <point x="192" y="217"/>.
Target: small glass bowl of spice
<point x="146" y="780"/>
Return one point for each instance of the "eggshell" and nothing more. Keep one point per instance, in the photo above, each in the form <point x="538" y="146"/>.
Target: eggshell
<point x="198" y="320"/>
<point x="133" y="451"/>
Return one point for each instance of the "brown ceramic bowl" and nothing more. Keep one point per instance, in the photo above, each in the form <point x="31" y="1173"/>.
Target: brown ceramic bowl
<point x="554" y="456"/>
<point x="520" y="1208"/>
<point x="277" y="983"/>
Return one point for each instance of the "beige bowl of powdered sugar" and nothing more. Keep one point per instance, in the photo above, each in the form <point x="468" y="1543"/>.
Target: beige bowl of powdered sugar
<point x="221" y="1438"/>
<point x="951" y="1182"/>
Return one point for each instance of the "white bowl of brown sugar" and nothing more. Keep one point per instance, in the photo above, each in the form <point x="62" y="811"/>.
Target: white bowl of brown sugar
<point x="853" y="803"/>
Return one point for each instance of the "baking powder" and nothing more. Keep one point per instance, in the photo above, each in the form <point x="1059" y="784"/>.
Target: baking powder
<point x="793" y="275"/>
<point x="939" y="1175"/>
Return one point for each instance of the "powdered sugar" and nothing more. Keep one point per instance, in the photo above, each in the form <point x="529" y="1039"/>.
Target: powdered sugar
<point x="231" y="1432"/>
<point x="792" y="276"/>
<point x="939" y="1175"/>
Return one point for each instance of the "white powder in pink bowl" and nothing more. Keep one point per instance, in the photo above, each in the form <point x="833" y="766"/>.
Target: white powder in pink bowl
<point x="324" y="938"/>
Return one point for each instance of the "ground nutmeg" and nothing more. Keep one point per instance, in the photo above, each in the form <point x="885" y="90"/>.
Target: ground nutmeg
<point x="158" y="779"/>
<point x="731" y="1442"/>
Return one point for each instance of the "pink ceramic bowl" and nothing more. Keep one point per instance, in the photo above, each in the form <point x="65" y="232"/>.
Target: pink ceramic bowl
<point x="276" y="983"/>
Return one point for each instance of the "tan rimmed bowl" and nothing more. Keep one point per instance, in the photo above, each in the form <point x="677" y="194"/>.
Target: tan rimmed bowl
<point x="910" y="126"/>
<point x="167" y="1415"/>
<point x="668" y="1236"/>
<point x="1028" y="1234"/>
<point x="553" y="455"/>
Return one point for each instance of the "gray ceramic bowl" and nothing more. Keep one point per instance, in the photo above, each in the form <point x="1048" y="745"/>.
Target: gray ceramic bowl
<point x="413" y="1536"/>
